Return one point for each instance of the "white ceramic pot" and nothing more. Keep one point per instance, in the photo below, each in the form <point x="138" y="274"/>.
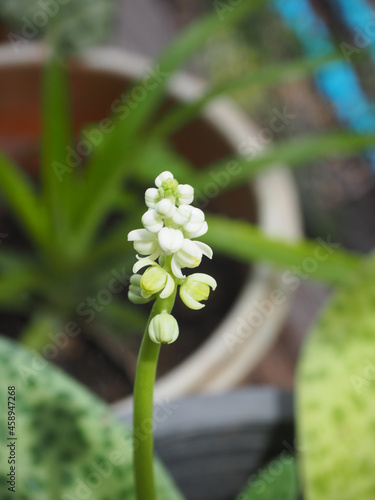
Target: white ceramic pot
<point x="214" y="366"/>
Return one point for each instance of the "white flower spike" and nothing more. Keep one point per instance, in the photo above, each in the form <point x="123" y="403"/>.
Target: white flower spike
<point x="165" y="245"/>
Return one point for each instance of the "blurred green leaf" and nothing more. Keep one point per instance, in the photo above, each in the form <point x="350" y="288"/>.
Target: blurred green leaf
<point x="336" y="395"/>
<point x="57" y="136"/>
<point x="11" y="259"/>
<point x="42" y="323"/>
<point x="112" y="160"/>
<point x="277" y="481"/>
<point x="123" y="318"/>
<point x="246" y="242"/>
<point x="16" y="189"/>
<point x="69" y="26"/>
<point x="294" y="152"/>
<point x="16" y="282"/>
<point x="259" y="79"/>
<point x="156" y="156"/>
<point x="114" y="246"/>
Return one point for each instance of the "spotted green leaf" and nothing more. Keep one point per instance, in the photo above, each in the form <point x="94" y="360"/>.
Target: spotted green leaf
<point x="336" y="395"/>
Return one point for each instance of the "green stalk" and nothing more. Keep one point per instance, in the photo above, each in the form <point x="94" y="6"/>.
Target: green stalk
<point x="143" y="406"/>
<point x="54" y="478"/>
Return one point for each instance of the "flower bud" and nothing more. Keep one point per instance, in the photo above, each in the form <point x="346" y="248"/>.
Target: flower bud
<point x="195" y="289"/>
<point x="165" y="208"/>
<point x="152" y="221"/>
<point x="135" y="291"/>
<point x="151" y="197"/>
<point x="196" y="225"/>
<point x="182" y="215"/>
<point x="164" y="176"/>
<point x="196" y="231"/>
<point x="153" y="280"/>
<point x="170" y="240"/>
<point x="170" y="187"/>
<point x="163" y="329"/>
<point x="185" y="194"/>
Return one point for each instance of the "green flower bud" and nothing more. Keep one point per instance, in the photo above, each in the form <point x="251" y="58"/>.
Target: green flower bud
<point x="163" y="329"/>
<point x="135" y="291"/>
<point x="195" y="289"/>
<point x="154" y="280"/>
<point x="170" y="186"/>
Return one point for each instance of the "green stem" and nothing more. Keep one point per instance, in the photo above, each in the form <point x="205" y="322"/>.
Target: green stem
<point x="54" y="479"/>
<point x="143" y="406"/>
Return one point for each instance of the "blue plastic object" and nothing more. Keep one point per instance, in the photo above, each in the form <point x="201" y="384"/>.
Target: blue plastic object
<point x="337" y="81"/>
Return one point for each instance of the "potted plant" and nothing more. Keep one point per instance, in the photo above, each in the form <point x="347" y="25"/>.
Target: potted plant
<point x="169" y="247"/>
<point x="80" y="452"/>
<point x="72" y="222"/>
<point x="77" y="223"/>
<point x="114" y="71"/>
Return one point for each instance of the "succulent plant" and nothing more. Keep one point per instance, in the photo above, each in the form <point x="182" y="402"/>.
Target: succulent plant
<point x="69" y="446"/>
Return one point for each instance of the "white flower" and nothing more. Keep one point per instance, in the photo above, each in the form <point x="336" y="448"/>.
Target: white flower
<point x="151" y="197"/>
<point x="165" y="208"/>
<point x="185" y="194"/>
<point x="146" y="261"/>
<point x="163" y="328"/>
<point x="196" y="226"/>
<point x="152" y="220"/>
<point x="182" y="215"/>
<point x="196" y="288"/>
<point x="190" y="255"/>
<point x="192" y="221"/>
<point x="145" y="242"/>
<point x="170" y="240"/>
<point x="164" y="176"/>
<point x="195" y="231"/>
<point x="154" y="280"/>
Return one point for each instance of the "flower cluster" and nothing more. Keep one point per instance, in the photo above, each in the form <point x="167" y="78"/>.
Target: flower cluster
<point x="166" y="245"/>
